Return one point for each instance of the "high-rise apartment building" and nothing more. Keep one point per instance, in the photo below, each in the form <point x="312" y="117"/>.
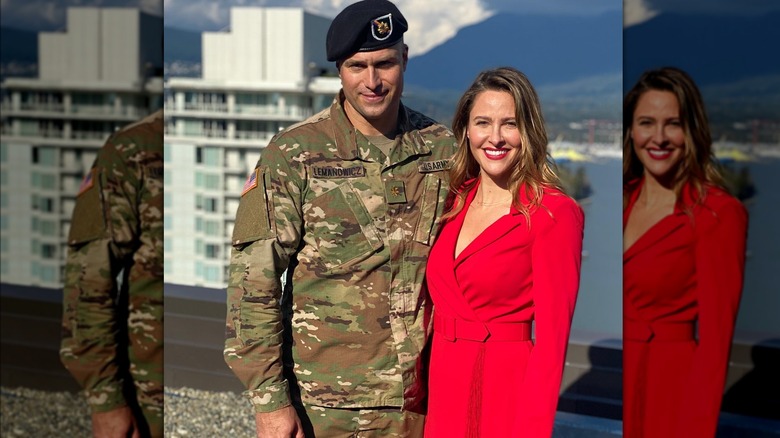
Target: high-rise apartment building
<point x="101" y="73"/>
<point x="268" y="71"/>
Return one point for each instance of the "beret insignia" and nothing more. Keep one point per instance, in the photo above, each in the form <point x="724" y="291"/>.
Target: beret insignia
<point x="382" y="27"/>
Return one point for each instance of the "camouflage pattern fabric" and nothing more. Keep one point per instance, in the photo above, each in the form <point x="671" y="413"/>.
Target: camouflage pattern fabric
<point x="387" y="422"/>
<point x="112" y="341"/>
<point x="351" y="229"/>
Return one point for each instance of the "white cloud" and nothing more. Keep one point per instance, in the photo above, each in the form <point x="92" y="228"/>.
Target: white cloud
<point x="432" y="23"/>
<point x="636" y="11"/>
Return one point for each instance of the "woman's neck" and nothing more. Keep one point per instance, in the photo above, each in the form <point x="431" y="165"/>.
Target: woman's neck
<point x="654" y="193"/>
<point x="492" y="193"/>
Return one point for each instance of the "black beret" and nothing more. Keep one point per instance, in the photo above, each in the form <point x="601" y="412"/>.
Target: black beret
<point x="364" y="26"/>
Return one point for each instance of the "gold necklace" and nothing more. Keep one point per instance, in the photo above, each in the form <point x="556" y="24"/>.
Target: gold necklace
<point x="488" y="204"/>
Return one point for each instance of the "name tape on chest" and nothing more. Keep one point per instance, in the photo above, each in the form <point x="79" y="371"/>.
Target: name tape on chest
<point x="433" y="166"/>
<point x="332" y="172"/>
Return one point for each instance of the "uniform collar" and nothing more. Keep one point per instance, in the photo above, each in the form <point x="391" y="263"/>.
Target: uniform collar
<point x="347" y="137"/>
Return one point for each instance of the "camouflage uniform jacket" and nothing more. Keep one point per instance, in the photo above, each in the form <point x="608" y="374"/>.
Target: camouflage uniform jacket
<point x="354" y="227"/>
<point x="111" y="337"/>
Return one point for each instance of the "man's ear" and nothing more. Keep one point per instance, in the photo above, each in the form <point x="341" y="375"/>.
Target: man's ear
<point x="405" y="55"/>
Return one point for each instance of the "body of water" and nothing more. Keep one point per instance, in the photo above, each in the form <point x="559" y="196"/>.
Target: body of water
<point x="599" y="306"/>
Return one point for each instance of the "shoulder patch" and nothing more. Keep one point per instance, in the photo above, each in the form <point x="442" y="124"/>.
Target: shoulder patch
<point x="251" y="182"/>
<point x="433" y="166"/>
<point x="87" y="182"/>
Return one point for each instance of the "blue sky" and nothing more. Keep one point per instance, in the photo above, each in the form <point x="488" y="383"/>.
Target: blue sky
<point x="431" y="22"/>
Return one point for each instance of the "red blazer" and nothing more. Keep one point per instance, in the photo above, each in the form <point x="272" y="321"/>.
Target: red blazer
<point x="486" y="375"/>
<point x="682" y="282"/>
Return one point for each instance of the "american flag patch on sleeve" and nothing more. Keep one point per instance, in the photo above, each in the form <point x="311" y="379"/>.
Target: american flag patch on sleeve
<point x="251" y="182"/>
<point x="87" y="182"/>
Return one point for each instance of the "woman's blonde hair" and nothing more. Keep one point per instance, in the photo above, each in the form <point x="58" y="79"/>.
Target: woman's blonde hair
<point x="532" y="167"/>
<point x="698" y="166"/>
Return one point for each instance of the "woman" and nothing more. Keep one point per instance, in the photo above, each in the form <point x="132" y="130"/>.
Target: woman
<point x="508" y="254"/>
<point x="683" y="261"/>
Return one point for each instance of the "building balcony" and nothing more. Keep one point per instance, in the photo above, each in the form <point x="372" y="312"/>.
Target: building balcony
<point x="54" y="137"/>
<point x="239" y="112"/>
<point x="274" y="111"/>
<point x="90" y="135"/>
<point x="53" y="107"/>
<point x="76" y="111"/>
<point x="206" y="107"/>
<point x="219" y="137"/>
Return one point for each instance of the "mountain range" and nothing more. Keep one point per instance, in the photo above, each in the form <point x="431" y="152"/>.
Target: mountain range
<point x="714" y="50"/>
<point x="548" y="49"/>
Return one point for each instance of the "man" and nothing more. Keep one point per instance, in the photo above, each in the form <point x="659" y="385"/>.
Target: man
<point x="113" y="328"/>
<point x="344" y="204"/>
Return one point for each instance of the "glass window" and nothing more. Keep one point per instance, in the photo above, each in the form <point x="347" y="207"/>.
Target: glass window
<point x="3" y="152"/>
<point x="212" y="273"/>
<point x="210" y="204"/>
<point x="48" y="228"/>
<point x="167" y="152"/>
<point x="48" y="181"/>
<point x="167" y="222"/>
<point x="43" y="203"/>
<point x="48" y="274"/>
<point x="212" y="251"/>
<point x="48" y="251"/>
<point x="48" y="156"/>
<point x="212" y="228"/>
<point x="3" y="222"/>
<point x="212" y="181"/>
<point x="212" y="156"/>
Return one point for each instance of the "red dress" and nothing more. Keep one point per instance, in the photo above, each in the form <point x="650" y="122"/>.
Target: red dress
<point x="487" y="378"/>
<point x="685" y="271"/>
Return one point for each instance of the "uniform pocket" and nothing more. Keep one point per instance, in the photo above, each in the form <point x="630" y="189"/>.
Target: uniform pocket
<point x="428" y="209"/>
<point x="340" y="227"/>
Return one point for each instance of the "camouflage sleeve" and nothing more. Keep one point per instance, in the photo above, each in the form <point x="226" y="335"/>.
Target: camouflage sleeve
<point x="265" y="237"/>
<point x="101" y="238"/>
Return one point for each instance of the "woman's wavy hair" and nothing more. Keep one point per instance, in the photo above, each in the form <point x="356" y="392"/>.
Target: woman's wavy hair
<point x="532" y="168"/>
<point x="698" y="166"/>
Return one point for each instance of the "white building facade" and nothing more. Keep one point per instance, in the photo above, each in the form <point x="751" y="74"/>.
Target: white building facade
<point x="100" y="74"/>
<point x="264" y="74"/>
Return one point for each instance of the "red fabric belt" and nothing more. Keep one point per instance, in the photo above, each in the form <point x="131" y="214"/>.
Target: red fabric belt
<point x="645" y="331"/>
<point x="452" y="329"/>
